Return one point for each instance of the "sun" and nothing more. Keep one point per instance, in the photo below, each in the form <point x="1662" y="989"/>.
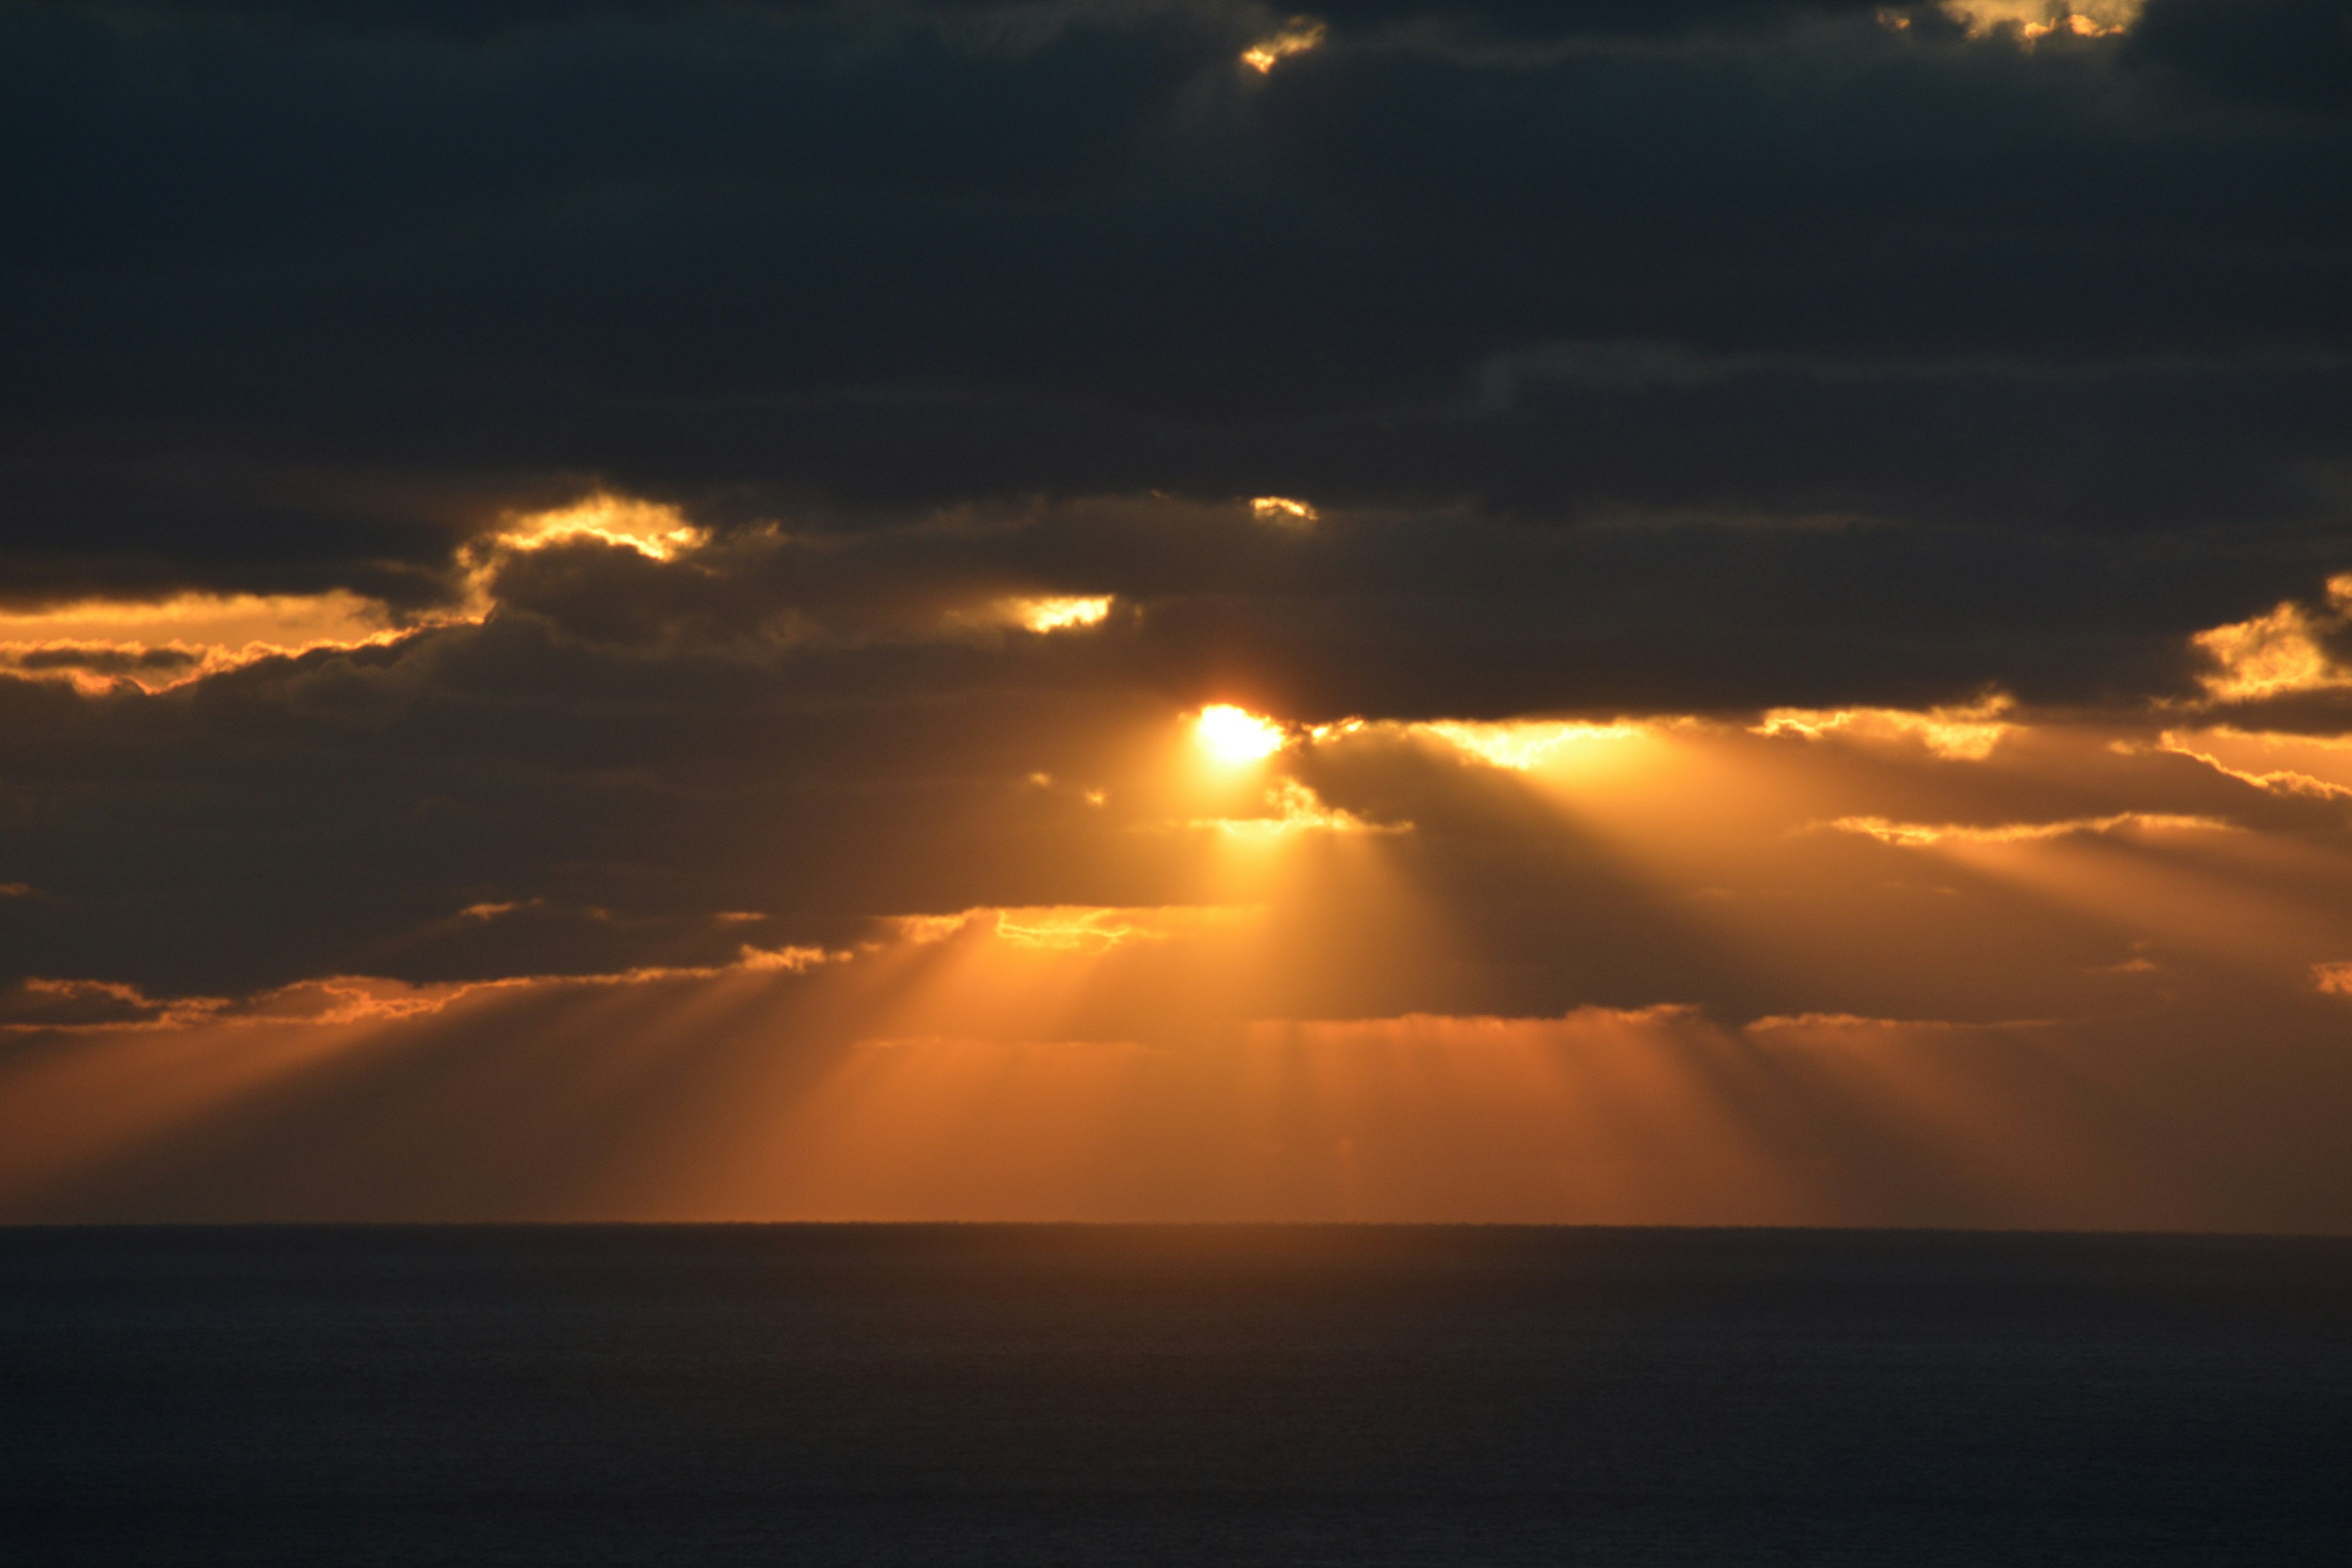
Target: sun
<point x="1232" y="735"/>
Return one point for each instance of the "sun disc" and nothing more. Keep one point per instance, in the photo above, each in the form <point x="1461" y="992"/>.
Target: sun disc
<point x="1233" y="735"/>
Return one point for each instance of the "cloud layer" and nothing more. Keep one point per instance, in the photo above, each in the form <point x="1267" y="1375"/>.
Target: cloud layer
<point x="1779" y="513"/>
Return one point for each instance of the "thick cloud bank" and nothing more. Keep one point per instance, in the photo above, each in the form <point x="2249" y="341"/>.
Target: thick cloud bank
<point x="1809" y="517"/>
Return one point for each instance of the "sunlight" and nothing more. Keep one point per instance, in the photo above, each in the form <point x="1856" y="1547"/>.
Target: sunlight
<point x="1234" y="736"/>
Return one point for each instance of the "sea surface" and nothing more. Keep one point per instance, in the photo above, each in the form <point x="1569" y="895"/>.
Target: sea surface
<point x="985" y="1395"/>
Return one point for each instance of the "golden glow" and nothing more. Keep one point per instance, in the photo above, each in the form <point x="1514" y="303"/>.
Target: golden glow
<point x="650" y="528"/>
<point x="1914" y="835"/>
<point x="1297" y="35"/>
<point x="1071" y="928"/>
<point x="1234" y="736"/>
<point x="98" y="645"/>
<point x="789" y="960"/>
<point x="1967" y="732"/>
<point x="2038" y="19"/>
<point x="1296" y="809"/>
<point x="2271" y="655"/>
<point x="1522" y="744"/>
<point x="1318" y="1021"/>
<point x="2283" y="765"/>
<point x="1284" y="512"/>
<point x="157" y="646"/>
<point x="1054" y="614"/>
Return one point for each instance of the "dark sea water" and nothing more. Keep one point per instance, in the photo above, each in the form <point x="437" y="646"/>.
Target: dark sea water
<point x="686" y="1394"/>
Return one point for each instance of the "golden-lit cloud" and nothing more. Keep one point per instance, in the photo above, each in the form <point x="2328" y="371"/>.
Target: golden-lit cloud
<point x="1235" y="736"/>
<point x="96" y="644"/>
<point x="652" y="529"/>
<point x="1293" y="807"/>
<point x="1296" y="36"/>
<point x="1967" y="732"/>
<point x="159" y="645"/>
<point x="786" y="960"/>
<point x="1040" y="613"/>
<point x="1284" y="512"/>
<point x="1522" y="744"/>
<point x="1817" y="1023"/>
<point x="46" y="1006"/>
<point x="1071" y="928"/>
<point x="2314" y="765"/>
<point x="2037" y="19"/>
<point x="2334" y="979"/>
<point x="1914" y="835"/>
<point x="1060" y="614"/>
<point x="2278" y="653"/>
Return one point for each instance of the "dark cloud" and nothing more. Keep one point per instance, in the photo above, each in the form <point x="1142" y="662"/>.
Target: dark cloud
<point x="1693" y="357"/>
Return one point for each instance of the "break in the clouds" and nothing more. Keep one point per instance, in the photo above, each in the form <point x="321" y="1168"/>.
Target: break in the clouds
<point x="1401" y="609"/>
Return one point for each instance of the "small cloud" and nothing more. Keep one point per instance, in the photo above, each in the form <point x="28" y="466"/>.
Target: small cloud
<point x="2034" y="20"/>
<point x="1296" y="809"/>
<point x="1841" y="1023"/>
<point x="788" y="960"/>
<point x="1282" y="511"/>
<point x="1071" y="928"/>
<point x="1054" y="614"/>
<point x="1919" y="835"/>
<point x="2278" y="653"/>
<point x="1042" y="614"/>
<point x="1967" y="733"/>
<point x="652" y="529"/>
<point x="2334" y="979"/>
<point x="1296" y="36"/>
<point x="1523" y="744"/>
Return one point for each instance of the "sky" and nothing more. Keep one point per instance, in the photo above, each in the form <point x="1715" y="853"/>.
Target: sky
<point x="1681" y="612"/>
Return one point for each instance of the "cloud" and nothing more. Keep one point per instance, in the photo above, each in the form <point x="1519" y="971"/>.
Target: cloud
<point x="1918" y="835"/>
<point x="544" y="514"/>
<point x="1965" y="732"/>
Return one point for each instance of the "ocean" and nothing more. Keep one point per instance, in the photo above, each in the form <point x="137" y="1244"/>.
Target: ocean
<point x="723" y="1394"/>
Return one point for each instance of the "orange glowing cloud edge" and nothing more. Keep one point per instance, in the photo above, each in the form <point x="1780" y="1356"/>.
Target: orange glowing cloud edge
<point x="2034" y="20"/>
<point x="2205" y="747"/>
<point x="2277" y="654"/>
<point x="1296" y="37"/>
<point x="88" y="643"/>
<point x="1074" y="928"/>
<point x="1283" y="511"/>
<point x="98" y="645"/>
<point x="1065" y="929"/>
<point x="341" y="1000"/>
<point x="1470" y="1030"/>
<point x="1920" y="835"/>
<point x="1293" y="807"/>
<point x="360" y="998"/>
